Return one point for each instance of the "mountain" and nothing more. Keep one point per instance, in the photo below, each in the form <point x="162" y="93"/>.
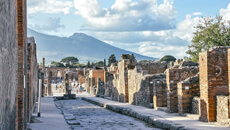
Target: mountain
<point x="80" y="45"/>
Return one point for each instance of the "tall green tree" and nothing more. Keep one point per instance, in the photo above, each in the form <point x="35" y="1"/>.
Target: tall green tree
<point x="112" y="59"/>
<point x="210" y="32"/>
<point x="104" y="62"/>
<point x="70" y="60"/>
<point x="88" y="64"/>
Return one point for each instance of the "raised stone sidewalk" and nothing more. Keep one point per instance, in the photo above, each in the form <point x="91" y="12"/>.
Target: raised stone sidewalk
<point x="158" y="118"/>
<point x="51" y="117"/>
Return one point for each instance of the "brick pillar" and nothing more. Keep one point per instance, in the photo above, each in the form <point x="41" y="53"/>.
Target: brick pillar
<point x="49" y="87"/>
<point x="213" y="80"/>
<point x="66" y="77"/>
<point x="21" y="34"/>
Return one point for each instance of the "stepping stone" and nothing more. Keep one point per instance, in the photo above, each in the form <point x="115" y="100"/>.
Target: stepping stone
<point x="73" y="122"/>
<point x="70" y="117"/>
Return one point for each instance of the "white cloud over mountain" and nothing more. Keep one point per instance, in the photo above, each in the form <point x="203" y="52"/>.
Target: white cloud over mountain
<point x="125" y="15"/>
<point x="52" y="25"/>
<point x="49" y="6"/>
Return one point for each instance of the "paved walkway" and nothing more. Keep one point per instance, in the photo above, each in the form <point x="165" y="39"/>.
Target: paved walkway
<point x="155" y="117"/>
<point x="51" y="117"/>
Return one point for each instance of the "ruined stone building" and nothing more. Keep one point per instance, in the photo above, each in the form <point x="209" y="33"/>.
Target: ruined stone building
<point x="182" y="87"/>
<point x="18" y="67"/>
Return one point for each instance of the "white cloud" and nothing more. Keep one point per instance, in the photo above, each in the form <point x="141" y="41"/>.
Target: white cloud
<point x="225" y="13"/>
<point x="186" y="27"/>
<point x="125" y="15"/>
<point x="197" y="13"/>
<point x="49" y="6"/>
<point x="52" y="25"/>
<point x="159" y="50"/>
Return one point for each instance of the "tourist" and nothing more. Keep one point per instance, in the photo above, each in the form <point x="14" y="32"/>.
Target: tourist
<point x="77" y="88"/>
<point x="80" y="89"/>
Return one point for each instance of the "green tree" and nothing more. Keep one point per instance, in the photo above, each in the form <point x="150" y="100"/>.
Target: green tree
<point x="112" y="59"/>
<point x="210" y="32"/>
<point x="99" y="64"/>
<point x="58" y="64"/>
<point x="70" y="60"/>
<point x="88" y="64"/>
<point x="167" y="58"/>
<point x="104" y="62"/>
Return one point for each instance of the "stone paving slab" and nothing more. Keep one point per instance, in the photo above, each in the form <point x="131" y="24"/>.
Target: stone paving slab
<point x="158" y="118"/>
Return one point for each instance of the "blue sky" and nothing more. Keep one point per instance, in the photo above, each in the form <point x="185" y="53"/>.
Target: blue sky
<point x="149" y="27"/>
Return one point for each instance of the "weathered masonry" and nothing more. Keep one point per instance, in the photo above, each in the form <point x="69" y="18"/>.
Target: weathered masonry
<point x="18" y="67"/>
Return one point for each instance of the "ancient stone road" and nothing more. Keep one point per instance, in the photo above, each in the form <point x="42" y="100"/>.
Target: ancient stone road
<point x="92" y="117"/>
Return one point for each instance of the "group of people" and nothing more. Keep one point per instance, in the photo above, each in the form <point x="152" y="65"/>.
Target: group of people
<point x="78" y="88"/>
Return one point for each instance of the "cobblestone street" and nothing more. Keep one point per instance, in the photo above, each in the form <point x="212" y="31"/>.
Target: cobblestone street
<point x="90" y="117"/>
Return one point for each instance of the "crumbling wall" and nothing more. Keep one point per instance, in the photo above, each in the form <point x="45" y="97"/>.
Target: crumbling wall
<point x="8" y="64"/>
<point x="109" y="85"/>
<point x="187" y="89"/>
<point x="173" y="76"/>
<point x="213" y="80"/>
<point x="139" y="91"/>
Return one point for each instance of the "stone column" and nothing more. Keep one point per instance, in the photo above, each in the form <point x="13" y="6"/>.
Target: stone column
<point x="49" y="93"/>
<point x="43" y="87"/>
<point x="43" y="65"/>
<point x="66" y="77"/>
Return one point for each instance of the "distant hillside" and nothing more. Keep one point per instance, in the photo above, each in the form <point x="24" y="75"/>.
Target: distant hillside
<point x="80" y="45"/>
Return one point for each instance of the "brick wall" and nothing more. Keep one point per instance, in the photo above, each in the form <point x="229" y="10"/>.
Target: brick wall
<point x="187" y="89"/>
<point x="213" y="80"/>
<point x="173" y="76"/>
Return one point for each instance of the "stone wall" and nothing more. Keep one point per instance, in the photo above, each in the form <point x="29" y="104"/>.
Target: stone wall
<point x="173" y="76"/>
<point x="222" y="110"/>
<point x="187" y="89"/>
<point x="139" y="88"/>
<point x="8" y="64"/>
<point x="213" y="80"/>
<point x="120" y="91"/>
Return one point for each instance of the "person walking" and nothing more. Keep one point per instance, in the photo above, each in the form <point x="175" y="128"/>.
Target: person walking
<point x="80" y="88"/>
<point x="77" y="88"/>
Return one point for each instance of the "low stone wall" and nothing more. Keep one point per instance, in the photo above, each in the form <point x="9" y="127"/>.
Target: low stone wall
<point x="222" y="110"/>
